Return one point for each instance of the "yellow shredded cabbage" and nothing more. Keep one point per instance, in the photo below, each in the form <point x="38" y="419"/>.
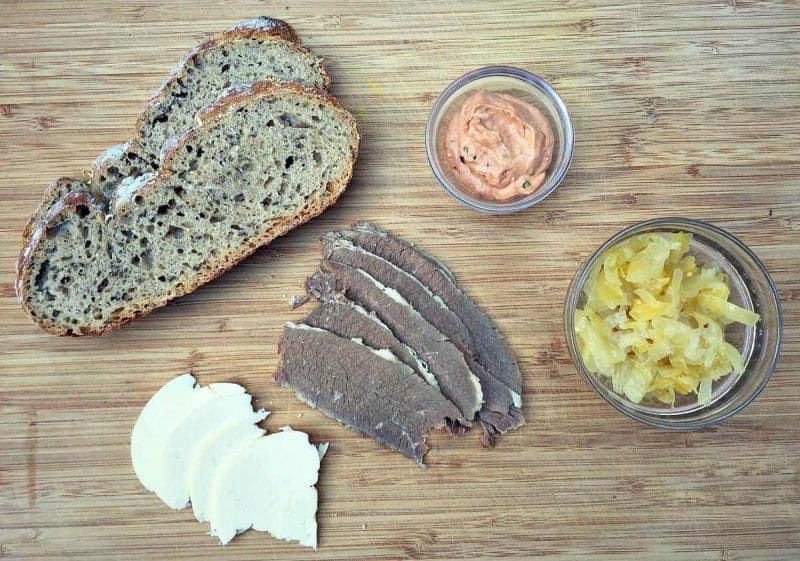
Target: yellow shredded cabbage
<point x="654" y="321"/>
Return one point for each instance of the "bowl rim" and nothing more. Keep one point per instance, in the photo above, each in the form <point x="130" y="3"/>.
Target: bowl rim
<point x="670" y="422"/>
<point x="529" y="79"/>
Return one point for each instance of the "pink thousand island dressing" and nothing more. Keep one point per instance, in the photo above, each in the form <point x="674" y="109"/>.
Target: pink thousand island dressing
<point x="498" y="146"/>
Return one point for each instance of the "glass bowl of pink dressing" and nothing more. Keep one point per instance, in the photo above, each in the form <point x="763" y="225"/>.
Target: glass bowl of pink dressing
<point x="499" y="139"/>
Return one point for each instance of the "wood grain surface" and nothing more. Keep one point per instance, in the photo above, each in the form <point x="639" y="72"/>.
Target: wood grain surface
<point x="680" y="108"/>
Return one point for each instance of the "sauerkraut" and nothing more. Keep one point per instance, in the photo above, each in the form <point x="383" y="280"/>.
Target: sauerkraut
<point x="654" y="320"/>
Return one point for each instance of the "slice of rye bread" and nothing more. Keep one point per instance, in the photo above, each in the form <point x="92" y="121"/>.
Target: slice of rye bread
<point x="259" y="162"/>
<point x="250" y="51"/>
<point x="260" y="49"/>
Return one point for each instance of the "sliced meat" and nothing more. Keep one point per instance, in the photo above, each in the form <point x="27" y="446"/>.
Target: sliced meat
<point x="456" y="381"/>
<point x="347" y="319"/>
<point x="297" y="301"/>
<point x="500" y="411"/>
<point x="432" y="308"/>
<point x="500" y="407"/>
<point x="488" y="346"/>
<point x="367" y="390"/>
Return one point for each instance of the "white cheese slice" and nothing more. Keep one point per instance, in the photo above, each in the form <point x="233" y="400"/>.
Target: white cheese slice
<point x="231" y="402"/>
<point x="212" y="451"/>
<point x="268" y="486"/>
<point x="176" y="399"/>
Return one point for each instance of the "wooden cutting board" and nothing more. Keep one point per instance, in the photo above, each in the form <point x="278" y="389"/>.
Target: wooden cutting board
<point x="681" y="108"/>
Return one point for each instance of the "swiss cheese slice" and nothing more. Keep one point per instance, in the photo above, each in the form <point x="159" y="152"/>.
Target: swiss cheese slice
<point x="268" y="486"/>
<point x="202" y="444"/>
<point x="176" y="399"/>
<point x="230" y="402"/>
<point x="212" y="451"/>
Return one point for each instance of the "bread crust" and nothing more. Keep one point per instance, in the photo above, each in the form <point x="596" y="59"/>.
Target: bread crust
<point x="259" y="28"/>
<point x="238" y="95"/>
<point x="275" y="26"/>
<point x="32" y="236"/>
<point x="219" y="110"/>
<point x="49" y="196"/>
<point x="268" y="28"/>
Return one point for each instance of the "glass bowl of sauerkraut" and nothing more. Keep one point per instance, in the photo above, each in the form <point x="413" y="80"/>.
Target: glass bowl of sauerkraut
<point x="675" y="322"/>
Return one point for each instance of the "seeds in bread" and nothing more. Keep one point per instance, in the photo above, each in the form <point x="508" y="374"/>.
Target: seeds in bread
<point x="52" y="195"/>
<point x="261" y="161"/>
<point x="260" y="49"/>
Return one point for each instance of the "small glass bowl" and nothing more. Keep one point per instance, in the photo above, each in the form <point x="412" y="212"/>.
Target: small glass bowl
<point x="751" y="288"/>
<point x="525" y="86"/>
